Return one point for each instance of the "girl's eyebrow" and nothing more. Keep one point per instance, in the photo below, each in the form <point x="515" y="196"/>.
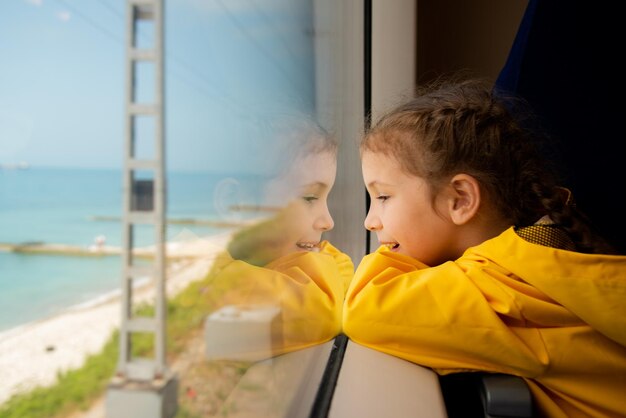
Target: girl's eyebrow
<point x="315" y="185"/>
<point x="377" y="183"/>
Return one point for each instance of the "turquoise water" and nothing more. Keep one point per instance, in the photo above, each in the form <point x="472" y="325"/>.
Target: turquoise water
<point x="59" y="205"/>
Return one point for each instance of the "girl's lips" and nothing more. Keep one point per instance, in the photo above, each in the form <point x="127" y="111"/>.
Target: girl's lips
<point x="308" y="246"/>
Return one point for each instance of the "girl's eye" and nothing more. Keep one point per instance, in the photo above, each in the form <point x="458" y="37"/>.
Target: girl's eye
<point x="382" y="197"/>
<point x="309" y="199"/>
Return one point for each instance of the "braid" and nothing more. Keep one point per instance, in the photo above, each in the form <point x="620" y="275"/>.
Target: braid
<point x="570" y="219"/>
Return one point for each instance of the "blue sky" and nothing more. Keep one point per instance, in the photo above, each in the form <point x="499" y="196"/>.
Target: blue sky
<point x="228" y="64"/>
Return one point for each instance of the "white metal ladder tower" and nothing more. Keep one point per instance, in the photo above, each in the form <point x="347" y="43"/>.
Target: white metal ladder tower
<point x="143" y="387"/>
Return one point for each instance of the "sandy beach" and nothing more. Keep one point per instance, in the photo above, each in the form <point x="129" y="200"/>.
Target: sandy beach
<point x="31" y="355"/>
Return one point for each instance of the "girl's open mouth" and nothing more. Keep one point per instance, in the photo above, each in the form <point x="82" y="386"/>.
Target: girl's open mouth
<point x="391" y="246"/>
<point x="308" y="246"/>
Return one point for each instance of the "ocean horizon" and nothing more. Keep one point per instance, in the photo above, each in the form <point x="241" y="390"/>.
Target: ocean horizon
<point x="74" y="206"/>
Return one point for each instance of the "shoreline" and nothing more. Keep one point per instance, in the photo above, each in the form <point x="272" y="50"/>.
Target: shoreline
<point x="93" y="302"/>
<point x="32" y="354"/>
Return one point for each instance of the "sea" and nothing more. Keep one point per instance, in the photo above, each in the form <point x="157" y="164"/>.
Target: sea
<point x="76" y="206"/>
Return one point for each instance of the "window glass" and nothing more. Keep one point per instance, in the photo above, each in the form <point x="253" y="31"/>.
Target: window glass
<point x="253" y="129"/>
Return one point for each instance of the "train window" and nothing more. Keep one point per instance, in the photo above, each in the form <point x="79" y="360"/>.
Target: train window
<point x="243" y="136"/>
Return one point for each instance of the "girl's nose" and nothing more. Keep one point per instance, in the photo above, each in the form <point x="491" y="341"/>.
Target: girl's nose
<point x="324" y="222"/>
<point x="372" y="222"/>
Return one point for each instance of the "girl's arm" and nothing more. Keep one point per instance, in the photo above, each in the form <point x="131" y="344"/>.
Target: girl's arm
<point x="453" y="317"/>
<point x="307" y="288"/>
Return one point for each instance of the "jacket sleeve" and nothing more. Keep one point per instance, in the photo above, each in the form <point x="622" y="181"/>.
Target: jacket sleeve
<point x="344" y="263"/>
<point x="449" y="317"/>
<point x="305" y="288"/>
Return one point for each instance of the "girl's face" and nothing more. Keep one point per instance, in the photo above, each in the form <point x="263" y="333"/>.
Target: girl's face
<point x="403" y="213"/>
<point x="303" y="192"/>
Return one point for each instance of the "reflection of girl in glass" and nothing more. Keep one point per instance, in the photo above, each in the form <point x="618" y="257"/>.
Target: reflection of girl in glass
<point x="297" y="192"/>
<point x="283" y="262"/>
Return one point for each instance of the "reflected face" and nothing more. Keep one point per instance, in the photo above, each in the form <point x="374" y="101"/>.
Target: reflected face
<point x="303" y="193"/>
<point x="402" y="212"/>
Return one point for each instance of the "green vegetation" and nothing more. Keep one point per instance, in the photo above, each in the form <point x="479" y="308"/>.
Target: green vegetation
<point x="77" y="389"/>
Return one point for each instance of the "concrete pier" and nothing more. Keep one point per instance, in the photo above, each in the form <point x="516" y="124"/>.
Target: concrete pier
<point x="78" y="251"/>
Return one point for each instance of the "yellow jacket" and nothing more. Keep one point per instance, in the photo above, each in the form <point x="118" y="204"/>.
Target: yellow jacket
<point x="307" y="288"/>
<point x="556" y="318"/>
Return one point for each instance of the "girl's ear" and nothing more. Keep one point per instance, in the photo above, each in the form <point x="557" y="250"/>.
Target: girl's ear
<point x="464" y="200"/>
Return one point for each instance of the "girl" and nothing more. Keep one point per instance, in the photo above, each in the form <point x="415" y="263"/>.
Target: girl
<point x="484" y="263"/>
